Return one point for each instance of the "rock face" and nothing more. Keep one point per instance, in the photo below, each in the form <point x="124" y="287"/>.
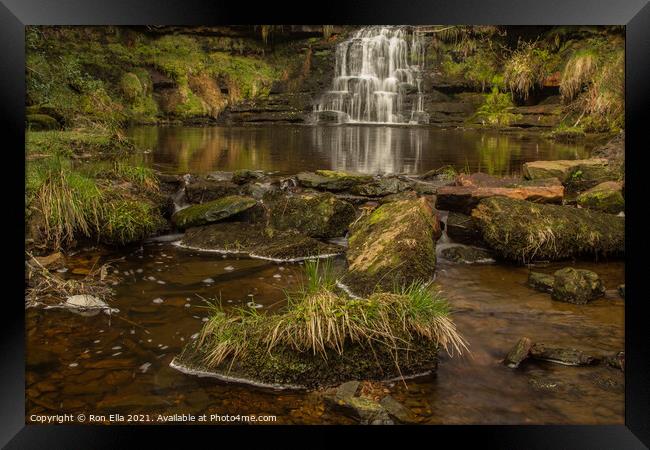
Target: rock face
<point x="212" y="211"/>
<point x="464" y="199"/>
<point x="541" y="281"/>
<point x="524" y="231"/>
<point x="257" y="241"/>
<point x="606" y="197"/>
<point x="578" y="173"/>
<point x="313" y="214"/>
<point x="393" y="245"/>
<point x="331" y="180"/>
<point x="576" y="286"/>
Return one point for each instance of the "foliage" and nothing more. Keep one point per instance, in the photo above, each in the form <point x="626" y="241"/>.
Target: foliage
<point x="527" y="68"/>
<point x="497" y="109"/>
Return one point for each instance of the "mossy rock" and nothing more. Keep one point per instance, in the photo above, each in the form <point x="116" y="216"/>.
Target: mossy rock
<point x="464" y="254"/>
<point x="464" y="229"/>
<point x="207" y="190"/>
<point x="213" y="211"/>
<point x="606" y="197"/>
<point x="567" y="171"/>
<point x="313" y="214"/>
<point x="381" y="187"/>
<point x="243" y="176"/>
<point x="257" y="241"/>
<point x="40" y="122"/>
<point x="131" y="86"/>
<point x="523" y="231"/>
<point x="331" y="180"/>
<point x="576" y="286"/>
<point x="392" y="246"/>
<point x="541" y="281"/>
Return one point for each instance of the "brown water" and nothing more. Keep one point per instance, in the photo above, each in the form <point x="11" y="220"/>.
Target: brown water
<point x="120" y="363"/>
<point x="367" y="149"/>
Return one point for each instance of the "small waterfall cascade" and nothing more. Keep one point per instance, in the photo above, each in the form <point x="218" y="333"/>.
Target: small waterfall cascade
<point x="378" y="78"/>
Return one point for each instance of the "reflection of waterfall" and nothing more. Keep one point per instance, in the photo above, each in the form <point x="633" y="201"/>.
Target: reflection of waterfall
<point x="375" y="72"/>
<point x="372" y="149"/>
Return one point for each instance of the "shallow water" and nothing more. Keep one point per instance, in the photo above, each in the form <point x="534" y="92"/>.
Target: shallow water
<point x="368" y="149"/>
<point x="120" y="363"/>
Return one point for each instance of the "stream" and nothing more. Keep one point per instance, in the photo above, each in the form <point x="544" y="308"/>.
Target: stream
<point x="119" y="363"/>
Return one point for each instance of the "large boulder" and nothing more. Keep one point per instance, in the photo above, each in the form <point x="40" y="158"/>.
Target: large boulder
<point x="332" y="180"/>
<point x="579" y="173"/>
<point x="312" y="213"/>
<point x="213" y="211"/>
<point x="577" y="286"/>
<point x="256" y="241"/>
<point x="606" y="197"/>
<point x="524" y="231"/>
<point x="393" y="245"/>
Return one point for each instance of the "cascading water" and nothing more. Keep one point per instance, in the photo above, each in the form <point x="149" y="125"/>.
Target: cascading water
<point x="376" y="73"/>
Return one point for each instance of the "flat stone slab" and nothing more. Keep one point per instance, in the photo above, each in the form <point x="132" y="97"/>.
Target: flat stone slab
<point x="464" y="199"/>
<point x="212" y="211"/>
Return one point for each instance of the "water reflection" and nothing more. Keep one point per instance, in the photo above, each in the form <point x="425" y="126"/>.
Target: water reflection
<point x="368" y="149"/>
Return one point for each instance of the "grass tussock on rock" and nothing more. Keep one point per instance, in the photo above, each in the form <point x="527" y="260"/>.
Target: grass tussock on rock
<point x="320" y="336"/>
<point x="523" y="231"/>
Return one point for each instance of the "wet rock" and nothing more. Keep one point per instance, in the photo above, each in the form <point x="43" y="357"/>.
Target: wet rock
<point x="616" y="360"/>
<point x="52" y="261"/>
<point x="466" y="254"/>
<point x="464" y="229"/>
<point x="331" y="180"/>
<point x="212" y="211"/>
<point x="238" y="237"/>
<point x="245" y="175"/>
<point x="84" y="301"/>
<point x="362" y="409"/>
<point x="566" y="356"/>
<point x="205" y="190"/>
<point x="406" y="195"/>
<point x="577" y="173"/>
<point x="313" y="214"/>
<point x="464" y="199"/>
<point x="621" y="290"/>
<point x="524" y="231"/>
<point x="446" y="173"/>
<point x="397" y="411"/>
<point x="260" y="191"/>
<point x="394" y="244"/>
<point x="518" y="353"/>
<point x="606" y="197"/>
<point x="381" y="187"/>
<point x="541" y="281"/>
<point x="576" y="286"/>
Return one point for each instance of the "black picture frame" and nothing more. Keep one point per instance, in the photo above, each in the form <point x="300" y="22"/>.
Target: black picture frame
<point x="15" y="14"/>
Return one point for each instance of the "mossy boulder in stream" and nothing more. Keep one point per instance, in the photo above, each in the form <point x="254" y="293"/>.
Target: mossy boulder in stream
<point x="577" y="286"/>
<point x="393" y="245"/>
<point x="523" y="231"/>
<point x="576" y="174"/>
<point x="213" y="211"/>
<point x="312" y="213"/>
<point x="256" y="241"/>
<point x="606" y="197"/>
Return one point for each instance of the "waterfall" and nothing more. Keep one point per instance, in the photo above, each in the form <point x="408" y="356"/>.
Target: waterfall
<point x="377" y="72"/>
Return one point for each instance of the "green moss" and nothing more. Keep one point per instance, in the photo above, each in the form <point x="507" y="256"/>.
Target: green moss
<point x="497" y="109"/>
<point x="131" y="86"/>
<point x="126" y="220"/>
<point x="212" y="211"/>
<point x="41" y="122"/>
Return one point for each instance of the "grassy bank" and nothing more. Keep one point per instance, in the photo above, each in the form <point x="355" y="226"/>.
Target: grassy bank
<point x="78" y="186"/>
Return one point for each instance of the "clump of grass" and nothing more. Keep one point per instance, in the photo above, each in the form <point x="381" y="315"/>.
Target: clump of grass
<point x="527" y="68"/>
<point x="126" y="220"/>
<point x="141" y="176"/>
<point x="497" y="109"/>
<point x="578" y="70"/>
<point x="319" y="320"/>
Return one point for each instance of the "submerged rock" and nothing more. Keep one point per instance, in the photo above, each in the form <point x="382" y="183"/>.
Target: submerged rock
<point x="313" y="214"/>
<point x="257" y="241"/>
<point x="616" y="360"/>
<point x="84" y="301"/>
<point x="398" y="411"/>
<point x="392" y="245"/>
<point x="523" y="231"/>
<point x="52" y="261"/>
<point x="576" y="286"/>
<point x="541" y="281"/>
<point x="466" y="255"/>
<point x="606" y="197"/>
<point x="566" y="356"/>
<point x="518" y="353"/>
<point x="212" y="211"/>
<point x="331" y="180"/>
<point x="364" y="410"/>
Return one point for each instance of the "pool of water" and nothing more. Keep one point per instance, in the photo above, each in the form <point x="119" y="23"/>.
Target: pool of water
<point x="368" y="149"/>
<point x="120" y="363"/>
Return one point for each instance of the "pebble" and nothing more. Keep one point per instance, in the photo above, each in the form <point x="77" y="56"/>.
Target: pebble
<point x="208" y="280"/>
<point x="161" y="282"/>
<point x="229" y="268"/>
<point x="73" y="364"/>
<point x="277" y="275"/>
<point x="158" y="300"/>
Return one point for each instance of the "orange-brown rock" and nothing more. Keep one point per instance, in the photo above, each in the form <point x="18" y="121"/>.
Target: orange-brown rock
<point x="464" y="198"/>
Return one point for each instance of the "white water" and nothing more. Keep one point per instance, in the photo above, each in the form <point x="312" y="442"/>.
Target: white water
<point x="374" y="73"/>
